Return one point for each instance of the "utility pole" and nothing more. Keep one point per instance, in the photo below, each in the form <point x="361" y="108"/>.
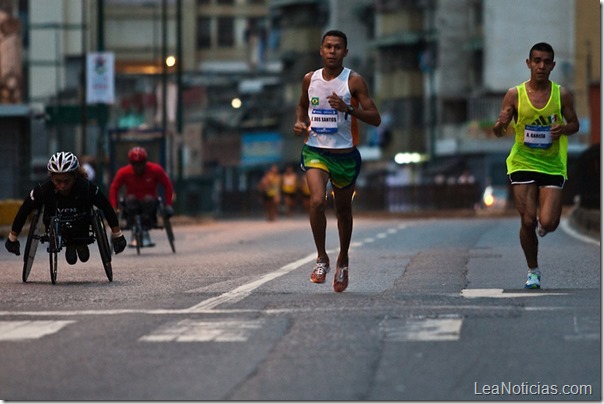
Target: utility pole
<point x="164" y="82"/>
<point x="179" y="111"/>
<point x="102" y="108"/>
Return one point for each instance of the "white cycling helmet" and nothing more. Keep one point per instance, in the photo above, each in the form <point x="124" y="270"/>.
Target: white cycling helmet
<point x="63" y="162"/>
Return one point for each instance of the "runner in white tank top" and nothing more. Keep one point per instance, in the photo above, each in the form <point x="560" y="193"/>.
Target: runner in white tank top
<point x="333" y="99"/>
<point x="329" y="128"/>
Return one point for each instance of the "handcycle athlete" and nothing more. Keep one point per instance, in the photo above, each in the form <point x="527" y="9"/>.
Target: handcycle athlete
<point x="141" y="179"/>
<point x="69" y="196"/>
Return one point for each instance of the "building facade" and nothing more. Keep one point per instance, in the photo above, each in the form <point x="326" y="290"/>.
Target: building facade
<point x="437" y="69"/>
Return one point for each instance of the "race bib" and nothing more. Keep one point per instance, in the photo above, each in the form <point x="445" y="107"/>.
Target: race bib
<point x="537" y="137"/>
<point x="324" y="121"/>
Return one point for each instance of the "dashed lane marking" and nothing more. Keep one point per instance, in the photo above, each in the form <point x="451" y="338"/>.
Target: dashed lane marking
<point x="500" y="294"/>
<point x="243" y="291"/>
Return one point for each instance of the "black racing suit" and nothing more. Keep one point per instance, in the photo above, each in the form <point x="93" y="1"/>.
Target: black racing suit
<point x="72" y="209"/>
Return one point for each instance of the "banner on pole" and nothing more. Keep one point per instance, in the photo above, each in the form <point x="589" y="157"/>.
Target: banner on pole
<point x="100" y="78"/>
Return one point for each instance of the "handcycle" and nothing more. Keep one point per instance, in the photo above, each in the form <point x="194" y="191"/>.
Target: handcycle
<point x="39" y="232"/>
<point x="138" y="228"/>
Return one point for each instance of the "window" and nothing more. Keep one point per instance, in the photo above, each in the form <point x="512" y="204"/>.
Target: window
<point x="226" y="32"/>
<point x="204" y="32"/>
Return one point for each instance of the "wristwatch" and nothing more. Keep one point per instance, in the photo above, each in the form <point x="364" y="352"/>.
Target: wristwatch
<point x="350" y="110"/>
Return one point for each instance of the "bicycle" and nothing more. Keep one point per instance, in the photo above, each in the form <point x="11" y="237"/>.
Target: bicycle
<point x="51" y="234"/>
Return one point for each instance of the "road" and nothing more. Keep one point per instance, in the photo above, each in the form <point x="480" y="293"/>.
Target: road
<point x="435" y="310"/>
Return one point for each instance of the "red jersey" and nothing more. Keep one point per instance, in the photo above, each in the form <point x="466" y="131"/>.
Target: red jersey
<point x="140" y="186"/>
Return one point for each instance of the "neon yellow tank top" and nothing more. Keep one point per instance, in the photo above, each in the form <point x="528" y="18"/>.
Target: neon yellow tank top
<point x="533" y="149"/>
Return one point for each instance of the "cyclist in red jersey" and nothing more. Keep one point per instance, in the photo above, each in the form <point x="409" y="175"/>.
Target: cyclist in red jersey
<point x="141" y="179"/>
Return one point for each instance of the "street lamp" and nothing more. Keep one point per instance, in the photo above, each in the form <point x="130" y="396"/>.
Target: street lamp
<point x="236" y="103"/>
<point x="170" y="61"/>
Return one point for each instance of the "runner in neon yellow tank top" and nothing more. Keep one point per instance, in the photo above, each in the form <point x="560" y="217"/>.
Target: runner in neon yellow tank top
<point x="543" y="115"/>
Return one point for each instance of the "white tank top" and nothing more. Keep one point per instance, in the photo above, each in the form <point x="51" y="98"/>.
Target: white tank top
<point x="330" y="128"/>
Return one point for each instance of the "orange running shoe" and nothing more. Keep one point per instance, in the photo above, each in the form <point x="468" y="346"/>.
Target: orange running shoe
<point x="340" y="279"/>
<point x="319" y="271"/>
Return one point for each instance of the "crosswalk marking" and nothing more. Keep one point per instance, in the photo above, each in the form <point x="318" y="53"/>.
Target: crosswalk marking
<point x="22" y="330"/>
<point x="205" y="331"/>
<point x="443" y="328"/>
<point x="585" y="328"/>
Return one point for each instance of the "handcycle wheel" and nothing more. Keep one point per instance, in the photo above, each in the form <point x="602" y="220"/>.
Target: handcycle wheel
<point x="31" y="245"/>
<point x="169" y="233"/>
<point x="100" y="234"/>
<point x="54" y="246"/>
<point x="167" y="225"/>
<point x="137" y="232"/>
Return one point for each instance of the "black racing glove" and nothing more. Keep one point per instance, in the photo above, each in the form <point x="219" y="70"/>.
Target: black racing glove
<point x="169" y="211"/>
<point x="13" y="246"/>
<point x="119" y="244"/>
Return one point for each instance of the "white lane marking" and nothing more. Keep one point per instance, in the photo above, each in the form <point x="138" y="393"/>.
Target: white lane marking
<point x="205" y="331"/>
<point x="207" y="305"/>
<point x="499" y="294"/>
<point x="243" y="291"/>
<point x="20" y="330"/>
<point x="117" y="312"/>
<point x="570" y="231"/>
<point x="442" y="328"/>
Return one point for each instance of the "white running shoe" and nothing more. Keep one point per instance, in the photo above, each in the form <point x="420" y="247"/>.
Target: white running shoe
<point x="533" y="281"/>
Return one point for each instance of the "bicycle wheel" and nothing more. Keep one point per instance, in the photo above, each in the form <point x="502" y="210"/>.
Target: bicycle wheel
<point x="31" y="245"/>
<point x="100" y="234"/>
<point x="54" y="246"/>
<point x="167" y="225"/>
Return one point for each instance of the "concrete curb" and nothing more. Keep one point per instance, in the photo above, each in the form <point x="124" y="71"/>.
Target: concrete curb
<point x="586" y="221"/>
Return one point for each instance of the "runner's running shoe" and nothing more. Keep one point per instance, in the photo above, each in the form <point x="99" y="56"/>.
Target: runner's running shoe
<point x="541" y="231"/>
<point x="533" y="281"/>
<point x="319" y="272"/>
<point x="340" y="279"/>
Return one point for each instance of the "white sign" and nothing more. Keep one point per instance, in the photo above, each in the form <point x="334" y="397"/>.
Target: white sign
<point x="100" y="78"/>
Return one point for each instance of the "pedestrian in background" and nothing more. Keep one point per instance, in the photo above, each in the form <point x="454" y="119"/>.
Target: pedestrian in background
<point x="333" y="99"/>
<point x="270" y="189"/>
<point x="305" y="191"/>
<point x="289" y="189"/>
<point x="544" y="116"/>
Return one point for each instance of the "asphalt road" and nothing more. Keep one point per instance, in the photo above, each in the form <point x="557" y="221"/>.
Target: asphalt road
<point x="435" y="310"/>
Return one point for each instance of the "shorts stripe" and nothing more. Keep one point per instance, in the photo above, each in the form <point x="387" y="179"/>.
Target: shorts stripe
<point x="542" y="180"/>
